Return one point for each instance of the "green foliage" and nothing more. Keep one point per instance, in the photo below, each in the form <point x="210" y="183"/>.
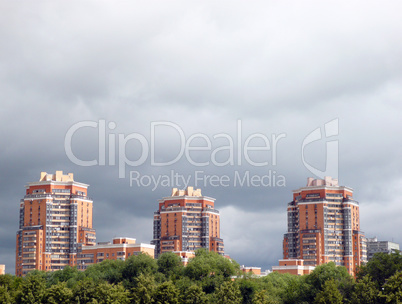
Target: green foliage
<point x="316" y="280"/>
<point x="166" y="293"/>
<point x="392" y="289"/>
<point x="330" y="294"/>
<point x="32" y="289"/>
<point x="169" y="264"/>
<point x="381" y="267"/>
<point x="206" y="264"/>
<point x="364" y="292"/>
<point x="248" y="287"/>
<point x="284" y="288"/>
<point x="206" y="279"/>
<point x="111" y="294"/>
<point x="136" y="265"/>
<point x="107" y="270"/>
<point x="261" y="297"/>
<point x="11" y="284"/>
<point x="5" y="296"/>
<point x="228" y="292"/>
<point x="194" y="295"/>
<point x="70" y="275"/>
<point x="6" y="280"/>
<point x="86" y="291"/>
<point x="144" y="289"/>
<point x="58" y="293"/>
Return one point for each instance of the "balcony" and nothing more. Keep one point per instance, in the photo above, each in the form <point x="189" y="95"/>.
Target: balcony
<point x="76" y="196"/>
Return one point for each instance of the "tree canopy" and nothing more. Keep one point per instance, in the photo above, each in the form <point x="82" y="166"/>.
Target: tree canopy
<point x="208" y="278"/>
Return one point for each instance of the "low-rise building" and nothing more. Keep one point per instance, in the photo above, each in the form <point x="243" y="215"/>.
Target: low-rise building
<point x="251" y="270"/>
<point x="293" y="266"/>
<point x="185" y="256"/>
<point x="119" y="249"/>
<point x="2" y="269"/>
<point x="374" y="246"/>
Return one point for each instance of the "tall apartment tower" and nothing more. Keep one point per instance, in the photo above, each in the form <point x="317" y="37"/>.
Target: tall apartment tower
<point x="324" y="226"/>
<point x="55" y="221"/>
<point x="186" y="221"/>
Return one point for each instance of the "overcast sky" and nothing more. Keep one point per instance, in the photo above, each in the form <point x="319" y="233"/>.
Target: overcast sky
<point x="280" y="69"/>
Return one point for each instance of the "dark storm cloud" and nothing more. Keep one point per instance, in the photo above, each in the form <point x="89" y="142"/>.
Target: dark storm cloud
<point x="280" y="68"/>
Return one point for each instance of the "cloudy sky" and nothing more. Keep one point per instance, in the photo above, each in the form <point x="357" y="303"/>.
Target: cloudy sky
<point x="166" y="74"/>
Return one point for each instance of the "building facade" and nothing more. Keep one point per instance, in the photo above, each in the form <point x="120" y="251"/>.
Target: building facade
<point x="374" y="246"/>
<point x="2" y="269"/>
<point x="120" y="248"/>
<point x="293" y="266"/>
<point x="186" y="221"/>
<point x="324" y="226"/>
<point x="55" y="222"/>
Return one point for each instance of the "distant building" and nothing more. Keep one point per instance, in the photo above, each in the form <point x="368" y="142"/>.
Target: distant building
<point x="251" y="270"/>
<point x="293" y="266"/>
<point x="324" y="226"/>
<point x="185" y="256"/>
<point x="119" y="249"/>
<point x="374" y="246"/>
<point x="187" y="221"/>
<point x="2" y="269"/>
<point x="55" y="221"/>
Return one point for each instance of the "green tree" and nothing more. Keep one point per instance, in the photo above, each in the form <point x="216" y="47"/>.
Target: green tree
<point x="392" y="289"/>
<point x="228" y="293"/>
<point x="11" y="283"/>
<point x="315" y="281"/>
<point x="32" y="289"/>
<point x="71" y="275"/>
<point x="330" y="294"/>
<point x="84" y="291"/>
<point x="364" y="292"/>
<point x="107" y="270"/>
<point x="137" y="264"/>
<point x="248" y="287"/>
<point x="260" y="297"/>
<point x="106" y="293"/>
<point x="169" y="264"/>
<point x="283" y="287"/>
<point x="206" y="264"/>
<point x="5" y="297"/>
<point x="144" y="289"/>
<point x="166" y="293"/>
<point x="58" y="293"/>
<point x="194" y="295"/>
<point x="381" y="267"/>
<point x="6" y="280"/>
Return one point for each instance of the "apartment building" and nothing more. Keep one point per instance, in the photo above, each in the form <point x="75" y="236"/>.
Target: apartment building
<point x="55" y="221"/>
<point x="120" y="248"/>
<point x="186" y="221"/>
<point x="324" y="225"/>
<point x="374" y="246"/>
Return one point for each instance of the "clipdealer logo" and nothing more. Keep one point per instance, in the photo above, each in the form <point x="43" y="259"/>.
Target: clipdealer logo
<point x="238" y="148"/>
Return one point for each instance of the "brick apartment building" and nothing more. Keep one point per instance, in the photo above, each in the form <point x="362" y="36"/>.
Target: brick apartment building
<point x="186" y="221"/>
<point x="55" y="228"/>
<point x="324" y="226"/>
<point x="120" y="248"/>
<point x="55" y="221"/>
